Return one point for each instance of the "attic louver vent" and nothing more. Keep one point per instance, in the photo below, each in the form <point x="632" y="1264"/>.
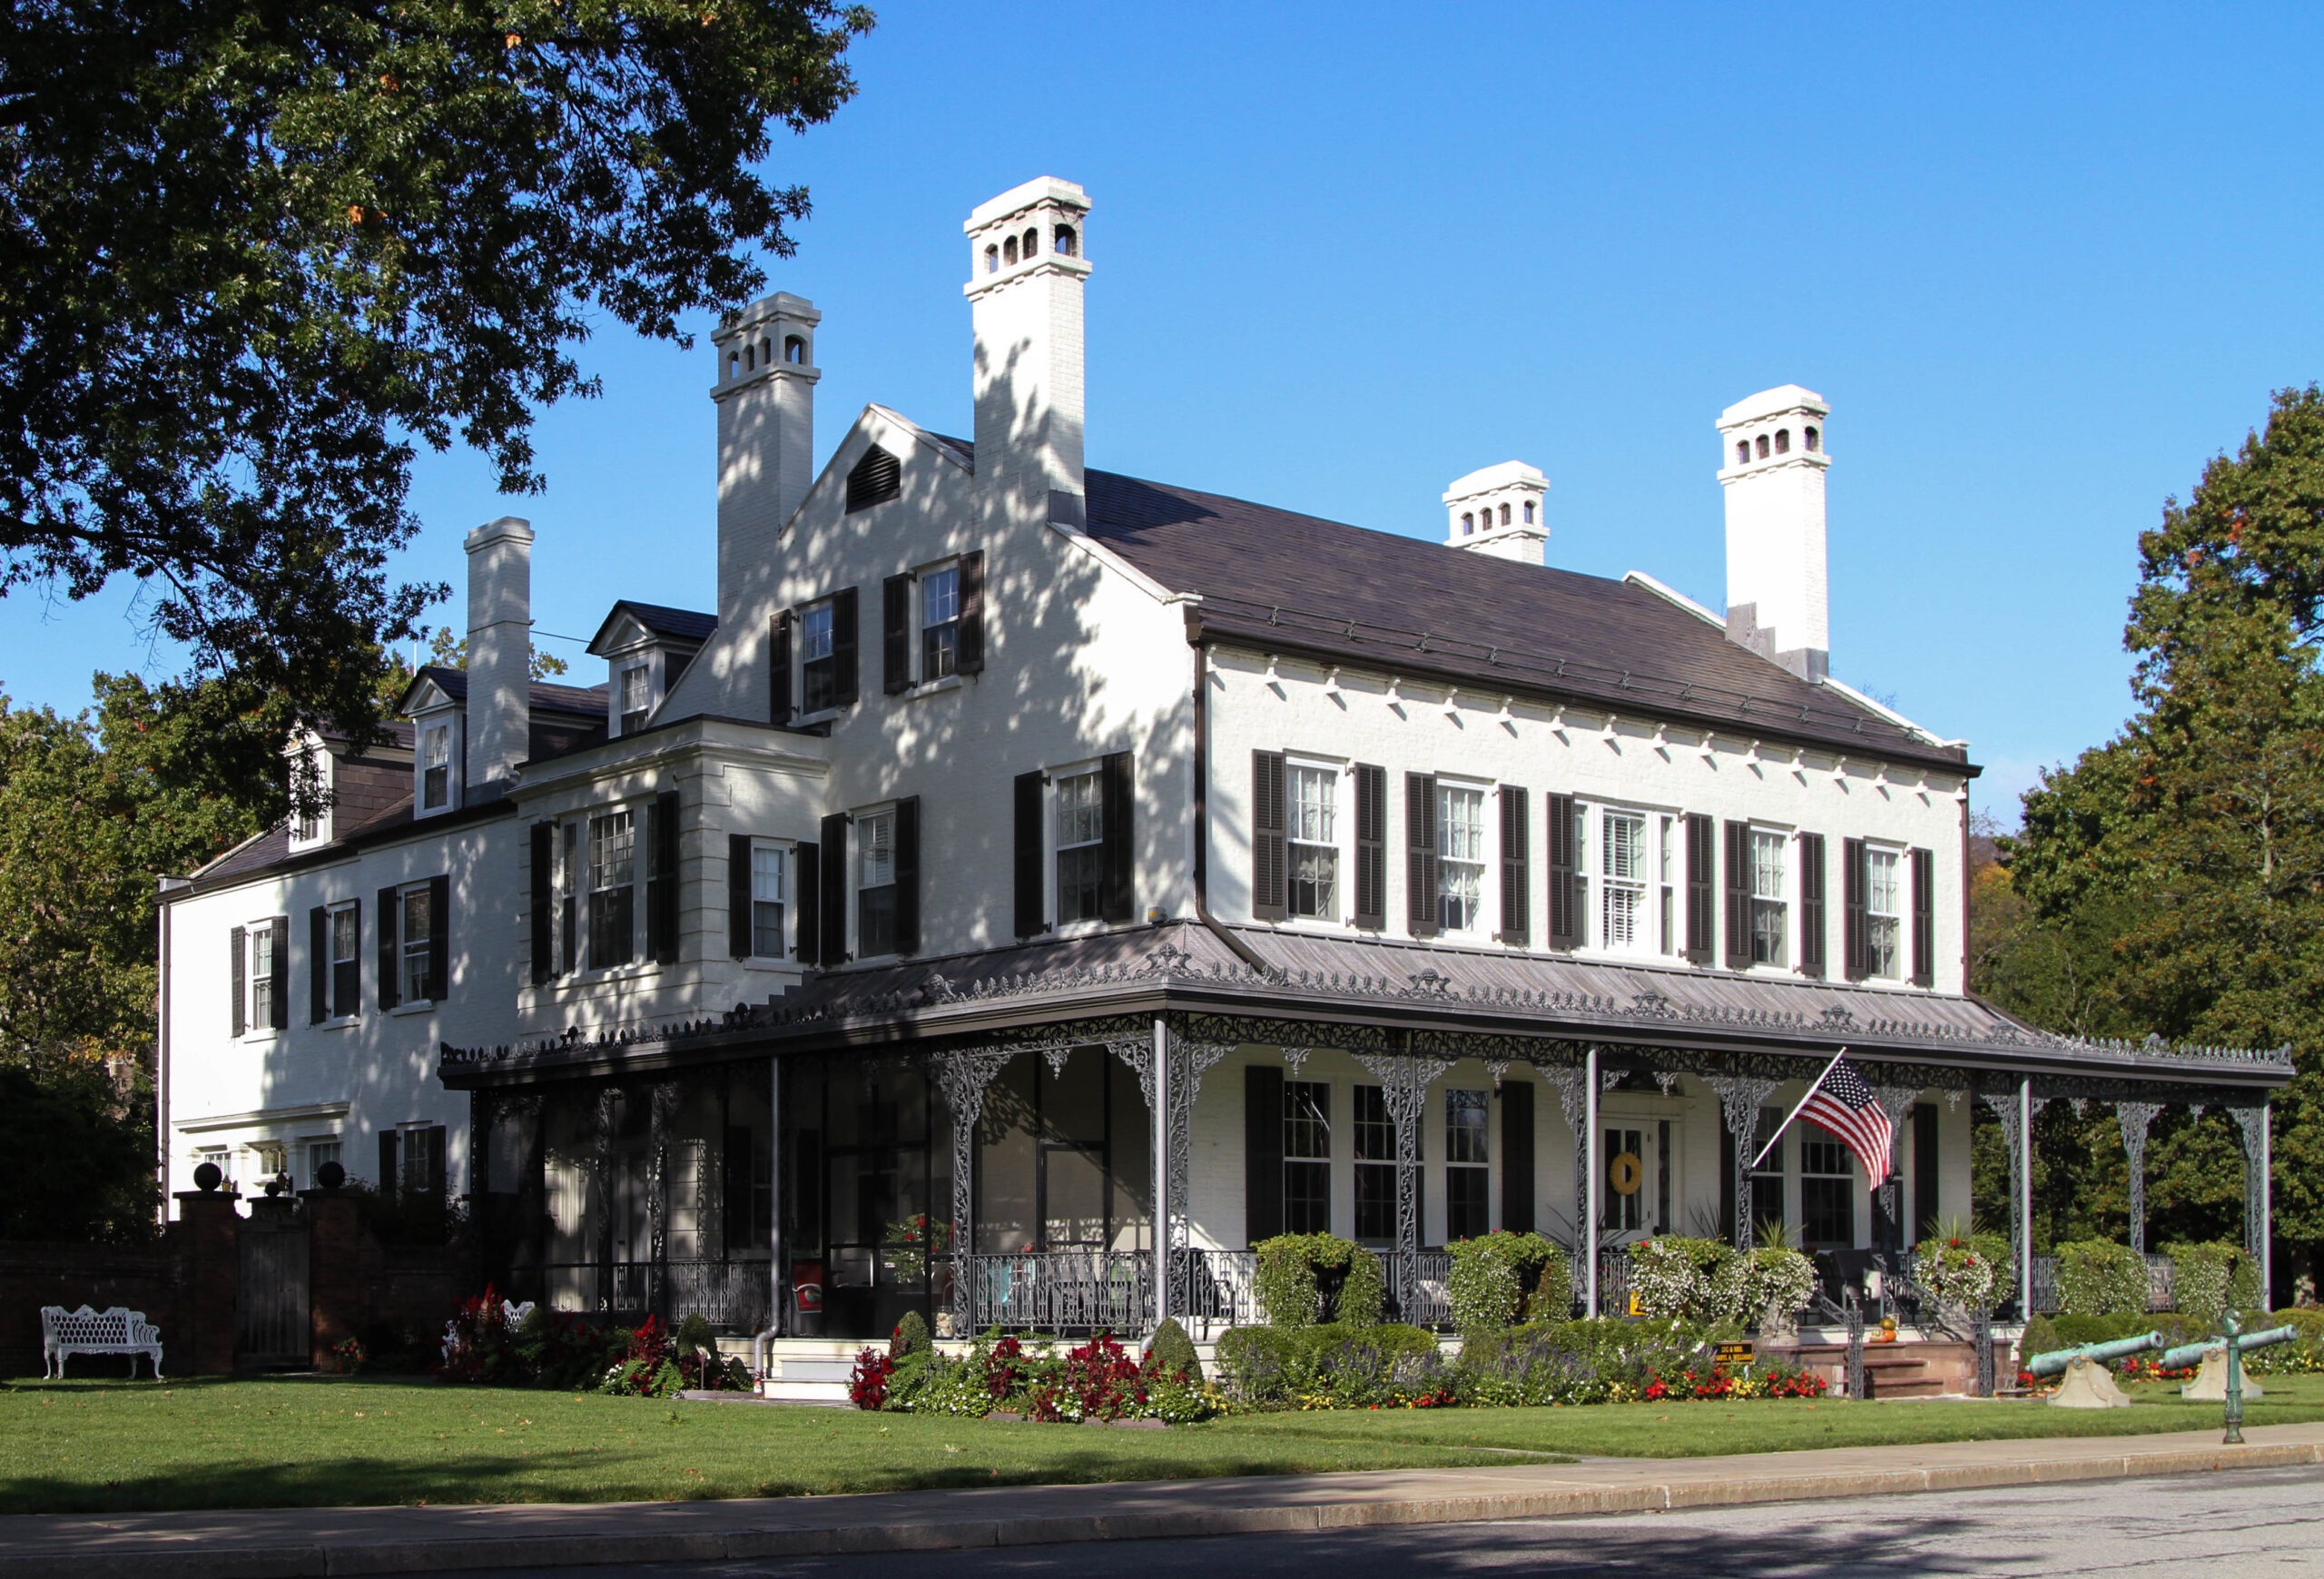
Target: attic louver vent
<point x="878" y="477"/>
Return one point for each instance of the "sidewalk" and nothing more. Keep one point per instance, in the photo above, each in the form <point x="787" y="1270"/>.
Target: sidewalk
<point x="392" y="1540"/>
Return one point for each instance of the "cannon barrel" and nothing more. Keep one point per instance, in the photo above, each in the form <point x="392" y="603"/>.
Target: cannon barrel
<point x="2055" y="1362"/>
<point x="2191" y="1354"/>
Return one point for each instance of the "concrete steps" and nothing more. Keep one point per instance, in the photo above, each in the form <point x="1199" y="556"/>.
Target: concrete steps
<point x="1931" y="1368"/>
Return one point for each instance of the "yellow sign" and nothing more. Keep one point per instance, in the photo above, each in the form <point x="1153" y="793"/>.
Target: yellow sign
<point x="1626" y="1173"/>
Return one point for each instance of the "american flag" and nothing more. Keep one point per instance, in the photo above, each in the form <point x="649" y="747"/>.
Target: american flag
<point x="1845" y="1106"/>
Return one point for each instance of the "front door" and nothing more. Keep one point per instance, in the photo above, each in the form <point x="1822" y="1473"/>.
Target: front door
<point x="1638" y="1189"/>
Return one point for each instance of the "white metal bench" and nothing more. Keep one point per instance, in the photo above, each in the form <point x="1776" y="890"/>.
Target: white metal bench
<point x="119" y="1330"/>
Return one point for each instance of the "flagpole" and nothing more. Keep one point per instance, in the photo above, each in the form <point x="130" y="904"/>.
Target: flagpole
<point x="1811" y="1090"/>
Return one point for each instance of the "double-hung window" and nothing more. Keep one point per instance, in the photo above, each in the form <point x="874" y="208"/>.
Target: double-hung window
<point x="1080" y="847"/>
<point x="262" y="946"/>
<point x="1461" y="863"/>
<point x="435" y="766"/>
<point x="1768" y="903"/>
<point x="1664" y="857"/>
<point x="636" y="697"/>
<point x="818" y="664"/>
<point x="1883" y="911"/>
<point x="769" y="883"/>
<point x="1314" y="836"/>
<point x="1467" y="1177"/>
<point x="939" y="622"/>
<point x="346" y="963"/>
<point x="875" y="893"/>
<point x="414" y="940"/>
<point x="319" y="1154"/>
<point x="1826" y="1190"/>
<point x="1622" y="895"/>
<point x="1375" y="1167"/>
<point x="612" y="874"/>
<point x="1307" y="1156"/>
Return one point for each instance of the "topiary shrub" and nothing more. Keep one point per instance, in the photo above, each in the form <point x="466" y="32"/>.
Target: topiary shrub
<point x="2096" y="1277"/>
<point x="2202" y="1274"/>
<point x="911" y="1336"/>
<point x="1295" y="1269"/>
<point x="2040" y="1337"/>
<point x="1258" y="1364"/>
<point x="1171" y="1353"/>
<point x="1490" y="1274"/>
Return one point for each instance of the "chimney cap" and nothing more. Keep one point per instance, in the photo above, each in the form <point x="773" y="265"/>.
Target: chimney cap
<point x="1031" y="194"/>
<point x="765" y="310"/>
<point x="1773" y="402"/>
<point x="1490" y="479"/>
<point x="516" y="528"/>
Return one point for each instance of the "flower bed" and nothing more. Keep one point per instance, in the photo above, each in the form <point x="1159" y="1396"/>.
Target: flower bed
<point x="1001" y="1373"/>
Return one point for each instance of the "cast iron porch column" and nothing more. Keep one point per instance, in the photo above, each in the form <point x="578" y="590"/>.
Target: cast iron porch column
<point x="1739" y="1096"/>
<point x="962" y="1074"/>
<point x="776" y="1278"/>
<point x="2257" y="1195"/>
<point x="2135" y="1118"/>
<point x="1594" y="1177"/>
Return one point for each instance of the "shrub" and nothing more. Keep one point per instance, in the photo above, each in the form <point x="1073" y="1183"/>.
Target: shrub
<point x="2096" y="1277"/>
<point x="1274" y="1364"/>
<point x="2201" y="1274"/>
<point x="2002" y="1256"/>
<point x="1780" y="1281"/>
<point x="1491" y="1275"/>
<point x="1297" y="1270"/>
<point x="1257" y="1363"/>
<point x="1677" y="1278"/>
<point x="1099" y="1381"/>
<point x="646" y="1369"/>
<point x="1954" y="1270"/>
<point x="1171" y="1353"/>
<point x="2040" y="1337"/>
<point x="911" y="1336"/>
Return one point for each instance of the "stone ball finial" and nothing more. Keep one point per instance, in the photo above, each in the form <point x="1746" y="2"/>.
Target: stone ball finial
<point x="207" y="1177"/>
<point x="331" y="1176"/>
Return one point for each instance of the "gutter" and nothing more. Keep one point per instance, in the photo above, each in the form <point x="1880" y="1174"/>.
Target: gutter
<point x="1241" y="950"/>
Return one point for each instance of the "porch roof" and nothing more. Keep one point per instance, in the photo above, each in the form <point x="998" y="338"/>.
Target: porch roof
<point x="1359" y="987"/>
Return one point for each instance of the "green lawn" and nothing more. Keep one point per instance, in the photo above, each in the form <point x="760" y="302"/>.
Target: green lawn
<point x="111" y="1446"/>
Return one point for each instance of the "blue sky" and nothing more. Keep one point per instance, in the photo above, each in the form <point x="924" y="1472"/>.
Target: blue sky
<point x="2043" y="264"/>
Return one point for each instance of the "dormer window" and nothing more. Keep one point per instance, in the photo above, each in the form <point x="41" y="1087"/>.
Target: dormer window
<point x="436" y="766"/>
<point x="636" y="697"/>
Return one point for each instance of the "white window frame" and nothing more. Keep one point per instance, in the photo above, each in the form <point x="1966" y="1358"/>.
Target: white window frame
<point x="438" y="726"/>
<point x="1898" y="861"/>
<point x="786" y="881"/>
<point x="309" y="1147"/>
<point x="406" y="951"/>
<point x="1337" y="837"/>
<point x="257" y="1019"/>
<point x="586" y="912"/>
<point x="922" y="580"/>
<point x="1053" y="834"/>
<point x="828" y="607"/>
<point x="332" y="914"/>
<point x="1760" y="839"/>
<point x="1485" y="921"/>
<point x="312" y="829"/>
<point x="858" y="853"/>
<point x="1638" y="880"/>
<point x="642" y="669"/>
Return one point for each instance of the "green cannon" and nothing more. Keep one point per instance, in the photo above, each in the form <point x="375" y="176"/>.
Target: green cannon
<point x="2194" y="1354"/>
<point x="2222" y="1359"/>
<point x="2088" y="1384"/>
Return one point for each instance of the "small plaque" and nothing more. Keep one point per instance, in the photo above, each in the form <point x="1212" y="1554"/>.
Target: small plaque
<point x="1734" y="1354"/>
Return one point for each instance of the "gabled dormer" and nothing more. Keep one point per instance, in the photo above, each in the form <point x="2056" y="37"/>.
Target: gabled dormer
<point x="647" y="648"/>
<point x="435" y="703"/>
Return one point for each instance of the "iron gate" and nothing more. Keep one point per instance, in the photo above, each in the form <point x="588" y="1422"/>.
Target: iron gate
<point x="270" y="1320"/>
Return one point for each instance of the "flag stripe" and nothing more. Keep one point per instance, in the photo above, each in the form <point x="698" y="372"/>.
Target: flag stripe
<point x="1844" y="1105"/>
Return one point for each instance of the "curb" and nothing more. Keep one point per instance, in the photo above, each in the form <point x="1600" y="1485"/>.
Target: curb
<point x="179" y="1558"/>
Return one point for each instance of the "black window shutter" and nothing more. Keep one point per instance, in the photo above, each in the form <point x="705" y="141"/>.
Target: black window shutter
<point x="1269" y="900"/>
<point x="806" y="910"/>
<point x="738" y="895"/>
<point x="1852" y="886"/>
<point x="1262" y="1153"/>
<point x="834" y="898"/>
<point x="318" y="965"/>
<point x="439" y="938"/>
<point x="1116" y="887"/>
<point x="662" y="881"/>
<point x="1924" y="881"/>
<point x="844" y="683"/>
<point x="1811" y="904"/>
<point x="1028" y="790"/>
<point x="388" y="1179"/>
<point x="1565" y="914"/>
<point x="241" y="943"/>
<point x="278" y="972"/>
<point x="1699" y="854"/>
<point x="1516" y="868"/>
<point x="908" y="875"/>
<point x="391" y="931"/>
<point x="1925" y="1166"/>
<point x="1371" y="846"/>
<point x="1420" y="854"/>
<point x="1738" y="896"/>
<point x="544" y="902"/>
<point x="895" y="634"/>
<point x="967" y="654"/>
<point x="778" y="669"/>
<point x="1517" y="1157"/>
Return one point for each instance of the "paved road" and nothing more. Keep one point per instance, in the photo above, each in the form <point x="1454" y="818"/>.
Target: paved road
<point x="2265" y="1524"/>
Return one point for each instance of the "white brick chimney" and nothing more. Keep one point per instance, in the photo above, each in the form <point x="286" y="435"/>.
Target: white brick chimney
<point x="500" y="650"/>
<point x="1777" y="596"/>
<point x="1028" y="258"/>
<point x="765" y="395"/>
<point x="1501" y="511"/>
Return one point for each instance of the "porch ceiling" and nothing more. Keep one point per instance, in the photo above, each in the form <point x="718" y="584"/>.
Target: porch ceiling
<point x="1366" y="986"/>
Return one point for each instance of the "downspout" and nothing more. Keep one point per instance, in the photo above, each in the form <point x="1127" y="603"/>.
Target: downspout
<point x="1241" y="950"/>
<point x="161" y="1051"/>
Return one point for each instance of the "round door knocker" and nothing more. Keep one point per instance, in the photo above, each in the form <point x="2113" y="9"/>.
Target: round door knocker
<point x="1626" y="1173"/>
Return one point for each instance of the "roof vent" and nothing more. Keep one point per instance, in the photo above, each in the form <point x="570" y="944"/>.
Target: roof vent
<point x="878" y="477"/>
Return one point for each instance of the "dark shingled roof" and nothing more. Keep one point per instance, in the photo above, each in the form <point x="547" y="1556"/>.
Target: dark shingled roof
<point x="580" y="701"/>
<point x="687" y="624"/>
<point x="1300" y="584"/>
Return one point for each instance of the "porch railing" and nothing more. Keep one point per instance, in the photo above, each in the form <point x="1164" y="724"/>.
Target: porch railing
<point x="734" y="1295"/>
<point x="1212" y="1290"/>
<point x="1062" y="1291"/>
<point x="2161" y="1292"/>
<point x="1430" y="1301"/>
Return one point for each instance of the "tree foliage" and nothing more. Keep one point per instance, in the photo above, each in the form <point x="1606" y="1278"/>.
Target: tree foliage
<point x="251" y="256"/>
<point x="2172" y="880"/>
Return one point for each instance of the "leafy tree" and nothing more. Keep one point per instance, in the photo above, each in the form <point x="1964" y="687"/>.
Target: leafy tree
<point x="251" y="257"/>
<point x="2187" y="854"/>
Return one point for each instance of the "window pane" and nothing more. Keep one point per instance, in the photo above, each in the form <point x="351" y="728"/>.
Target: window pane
<point x="1467" y="1214"/>
<point x="939" y="596"/>
<point x="1081" y="812"/>
<point x="1078" y="872"/>
<point x="1465" y="1126"/>
<point x="1306" y="1122"/>
<point x="1459" y="869"/>
<point x="769" y="889"/>
<point x="633" y="688"/>
<point x="1883" y="905"/>
<point x="767" y="930"/>
<point x="1375" y="1134"/>
<point x="344" y="924"/>
<point x="876" y="849"/>
<point x="767" y="873"/>
<point x="1624" y="851"/>
<point x="1314" y="882"/>
<point x="1767" y="865"/>
<point x="816" y="633"/>
<point x="610" y="850"/>
<point x="1313" y="805"/>
<point x="1623" y="861"/>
